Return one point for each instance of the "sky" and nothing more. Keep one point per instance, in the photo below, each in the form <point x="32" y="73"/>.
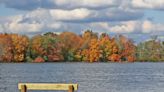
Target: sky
<point x="137" y="19"/>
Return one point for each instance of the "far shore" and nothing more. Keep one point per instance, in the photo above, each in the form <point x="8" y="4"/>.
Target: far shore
<point x="87" y="62"/>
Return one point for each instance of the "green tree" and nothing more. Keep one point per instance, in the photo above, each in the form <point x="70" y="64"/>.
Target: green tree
<point x="150" y="50"/>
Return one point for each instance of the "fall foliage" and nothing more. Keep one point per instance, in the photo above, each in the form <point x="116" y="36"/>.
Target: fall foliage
<point x="20" y="44"/>
<point x="105" y="45"/>
<point x="46" y="46"/>
<point x="68" y="46"/>
<point x="6" y="48"/>
<point x="13" y="47"/>
<point x="94" y="51"/>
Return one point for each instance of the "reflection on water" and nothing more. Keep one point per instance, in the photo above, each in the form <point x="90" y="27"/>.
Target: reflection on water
<point x="96" y="77"/>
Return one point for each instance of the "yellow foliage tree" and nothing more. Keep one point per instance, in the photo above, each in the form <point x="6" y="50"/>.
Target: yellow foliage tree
<point x="20" y="45"/>
<point x="94" y="51"/>
<point x="105" y="47"/>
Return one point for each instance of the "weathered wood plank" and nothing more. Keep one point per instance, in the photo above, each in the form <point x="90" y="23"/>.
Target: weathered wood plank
<point x="23" y="88"/>
<point x="47" y="86"/>
<point x="71" y="89"/>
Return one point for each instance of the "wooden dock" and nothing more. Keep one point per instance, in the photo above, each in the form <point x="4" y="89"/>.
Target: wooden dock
<point x="23" y="87"/>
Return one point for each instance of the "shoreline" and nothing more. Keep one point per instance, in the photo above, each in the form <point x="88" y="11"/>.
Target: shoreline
<point x="79" y="62"/>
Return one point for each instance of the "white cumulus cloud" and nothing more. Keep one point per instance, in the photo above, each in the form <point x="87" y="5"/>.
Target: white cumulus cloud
<point x="76" y="14"/>
<point x="149" y="4"/>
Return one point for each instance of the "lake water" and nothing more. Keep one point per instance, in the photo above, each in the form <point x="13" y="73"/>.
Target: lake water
<point x="91" y="77"/>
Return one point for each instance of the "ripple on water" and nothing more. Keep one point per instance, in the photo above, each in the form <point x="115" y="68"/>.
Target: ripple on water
<point x="96" y="77"/>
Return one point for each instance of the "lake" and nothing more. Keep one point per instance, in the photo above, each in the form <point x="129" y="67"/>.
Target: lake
<point x="91" y="77"/>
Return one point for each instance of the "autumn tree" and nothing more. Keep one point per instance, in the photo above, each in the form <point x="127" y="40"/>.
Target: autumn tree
<point x="20" y="44"/>
<point x="128" y="48"/>
<point x="105" y="46"/>
<point x="47" y="46"/>
<point x="70" y="44"/>
<point x="115" y="54"/>
<point x="86" y="38"/>
<point x="88" y="48"/>
<point x="6" y="48"/>
<point x="94" y="51"/>
<point x="36" y="48"/>
<point x="53" y="47"/>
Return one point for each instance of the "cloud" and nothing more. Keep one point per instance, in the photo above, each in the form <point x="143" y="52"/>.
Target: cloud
<point x="80" y="15"/>
<point x="59" y="4"/>
<point x="44" y="20"/>
<point x="29" y="24"/>
<point x="148" y="4"/>
<point x="149" y="27"/>
<point x="54" y="15"/>
<point x="21" y="4"/>
<point x="112" y="16"/>
<point x="138" y="30"/>
<point x="117" y="14"/>
<point x="41" y="21"/>
<point x="144" y="26"/>
<point x="83" y="15"/>
<point x="125" y="27"/>
<point x="121" y="27"/>
<point x="89" y="4"/>
<point x="29" y="29"/>
<point x="129" y="27"/>
<point x="19" y="28"/>
<point x="76" y="14"/>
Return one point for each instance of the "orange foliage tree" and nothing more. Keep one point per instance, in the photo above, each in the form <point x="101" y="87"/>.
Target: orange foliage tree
<point x="115" y="56"/>
<point x="128" y="50"/>
<point x="93" y="52"/>
<point x="13" y="47"/>
<point x="6" y="48"/>
<point x="20" y="45"/>
<point x="70" y="45"/>
<point x="88" y="46"/>
<point x="86" y="38"/>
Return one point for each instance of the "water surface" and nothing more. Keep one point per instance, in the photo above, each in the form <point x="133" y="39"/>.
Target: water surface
<point x="95" y="77"/>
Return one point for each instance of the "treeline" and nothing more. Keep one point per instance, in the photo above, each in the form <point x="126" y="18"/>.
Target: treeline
<point x="68" y="46"/>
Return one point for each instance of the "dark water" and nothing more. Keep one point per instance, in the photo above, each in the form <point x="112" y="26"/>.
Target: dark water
<point x="95" y="77"/>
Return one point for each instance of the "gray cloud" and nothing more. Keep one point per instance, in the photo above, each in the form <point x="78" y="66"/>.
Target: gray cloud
<point x="21" y="4"/>
<point x="81" y="15"/>
<point x="43" y="20"/>
<point x="111" y="16"/>
<point x="59" y="4"/>
<point x="89" y="4"/>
